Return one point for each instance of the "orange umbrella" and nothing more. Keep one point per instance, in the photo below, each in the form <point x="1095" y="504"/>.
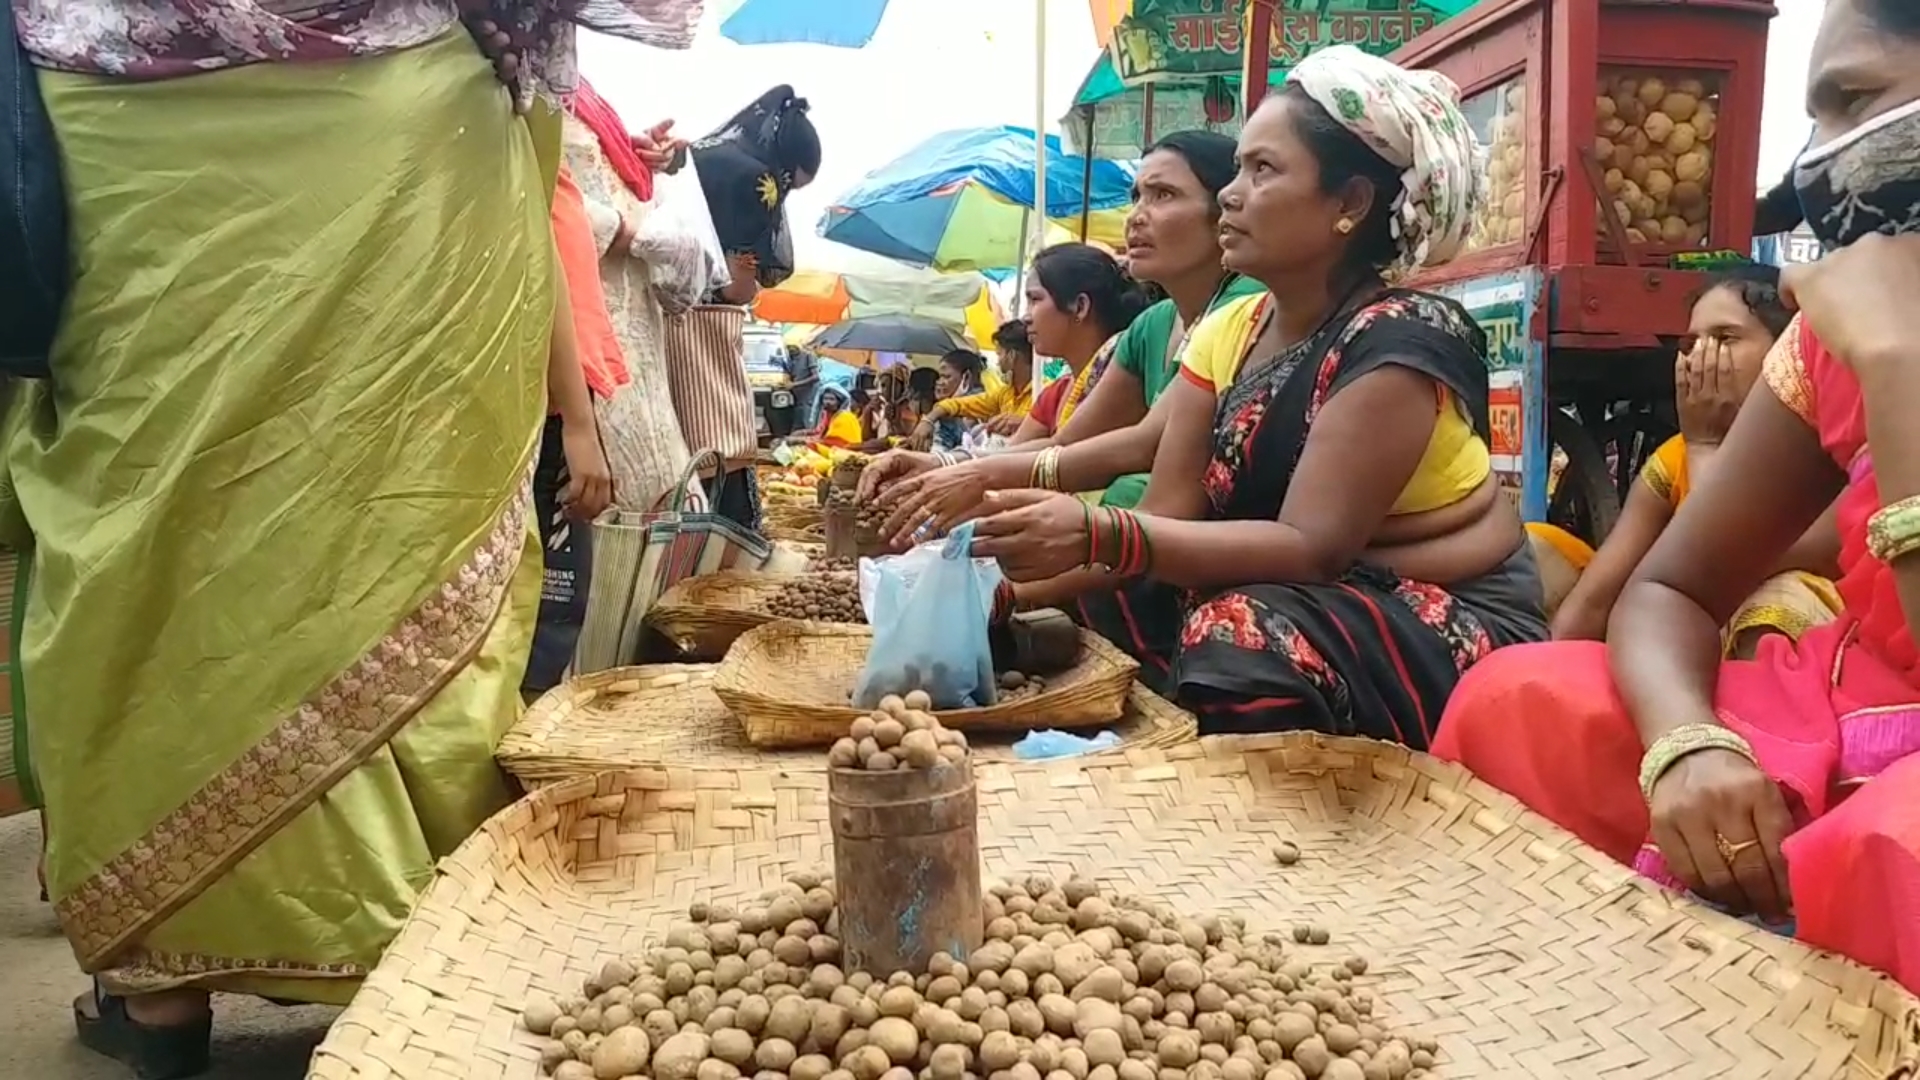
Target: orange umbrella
<point x="809" y="296"/>
<point x="1106" y="15"/>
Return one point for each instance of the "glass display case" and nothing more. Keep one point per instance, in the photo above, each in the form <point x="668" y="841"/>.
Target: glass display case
<point x="1498" y="116"/>
<point x="1655" y="131"/>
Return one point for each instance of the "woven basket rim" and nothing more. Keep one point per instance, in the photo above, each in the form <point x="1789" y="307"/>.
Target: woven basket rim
<point x="731" y="681"/>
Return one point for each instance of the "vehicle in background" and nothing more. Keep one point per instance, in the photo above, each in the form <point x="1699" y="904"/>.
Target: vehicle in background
<point x="766" y="359"/>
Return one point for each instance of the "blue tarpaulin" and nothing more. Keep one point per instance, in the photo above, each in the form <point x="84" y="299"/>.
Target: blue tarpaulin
<point x="842" y="24"/>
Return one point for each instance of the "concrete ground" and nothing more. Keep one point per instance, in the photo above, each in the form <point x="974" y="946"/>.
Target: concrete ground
<point x="38" y="982"/>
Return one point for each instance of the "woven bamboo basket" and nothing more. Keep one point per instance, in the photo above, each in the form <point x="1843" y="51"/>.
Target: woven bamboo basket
<point x="795" y="534"/>
<point x="703" y="616"/>
<point x="789" y="683"/>
<point x="667" y="716"/>
<point x="1523" y="952"/>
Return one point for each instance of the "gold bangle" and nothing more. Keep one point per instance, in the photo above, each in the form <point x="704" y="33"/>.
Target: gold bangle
<point x="1668" y="749"/>
<point x="1046" y="470"/>
<point x="1893" y="531"/>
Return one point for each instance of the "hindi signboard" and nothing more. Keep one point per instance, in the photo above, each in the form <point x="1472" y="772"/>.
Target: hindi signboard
<point x="1195" y="39"/>
<point x="1504" y="305"/>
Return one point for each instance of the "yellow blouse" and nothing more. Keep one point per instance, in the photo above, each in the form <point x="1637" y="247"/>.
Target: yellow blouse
<point x="1456" y="461"/>
<point x="1666" y="471"/>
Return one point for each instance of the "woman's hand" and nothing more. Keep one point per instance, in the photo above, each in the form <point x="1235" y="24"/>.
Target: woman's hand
<point x="922" y="437"/>
<point x="658" y="146"/>
<point x="935" y="500"/>
<point x="1033" y="534"/>
<point x="1706" y="391"/>
<point x="589" y="489"/>
<point x="495" y="43"/>
<point x="1720" y="822"/>
<point x="1859" y="299"/>
<point x="883" y="472"/>
<point x="1005" y="424"/>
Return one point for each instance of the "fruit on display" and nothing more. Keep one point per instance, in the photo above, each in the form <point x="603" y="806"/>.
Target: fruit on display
<point x="1502" y="218"/>
<point x="1654" y="138"/>
<point x="829" y="597"/>
<point x="1071" y="982"/>
<point x="902" y="733"/>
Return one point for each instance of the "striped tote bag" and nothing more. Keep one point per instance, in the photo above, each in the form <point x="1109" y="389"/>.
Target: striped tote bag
<point x="707" y="376"/>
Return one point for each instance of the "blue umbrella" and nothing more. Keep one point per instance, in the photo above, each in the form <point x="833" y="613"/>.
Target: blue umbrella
<point x="843" y="24"/>
<point x="958" y="200"/>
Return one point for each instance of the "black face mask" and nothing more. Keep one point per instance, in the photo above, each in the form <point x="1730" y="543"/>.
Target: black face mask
<point x="1865" y="182"/>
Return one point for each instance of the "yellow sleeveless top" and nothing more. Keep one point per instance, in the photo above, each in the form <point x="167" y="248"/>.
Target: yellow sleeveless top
<point x="1455" y="464"/>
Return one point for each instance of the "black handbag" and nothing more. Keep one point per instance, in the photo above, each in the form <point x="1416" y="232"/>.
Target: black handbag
<point x="34" y="266"/>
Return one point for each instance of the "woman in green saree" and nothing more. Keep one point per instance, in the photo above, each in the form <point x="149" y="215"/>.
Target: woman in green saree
<point x="1173" y="241"/>
<point x="277" y="488"/>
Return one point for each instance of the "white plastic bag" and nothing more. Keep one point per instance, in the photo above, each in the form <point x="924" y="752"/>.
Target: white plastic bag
<point x="929" y="609"/>
<point x="678" y="243"/>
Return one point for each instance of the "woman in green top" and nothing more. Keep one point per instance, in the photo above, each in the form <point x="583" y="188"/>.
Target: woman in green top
<point x="1173" y="241"/>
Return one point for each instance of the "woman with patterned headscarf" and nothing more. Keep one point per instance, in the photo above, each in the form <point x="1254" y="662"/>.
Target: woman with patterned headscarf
<point x="1322" y="544"/>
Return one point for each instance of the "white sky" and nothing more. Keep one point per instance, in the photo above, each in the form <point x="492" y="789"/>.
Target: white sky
<point x="942" y="64"/>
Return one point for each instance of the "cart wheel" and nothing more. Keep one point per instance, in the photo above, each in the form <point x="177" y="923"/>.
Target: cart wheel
<point x="1585" y="501"/>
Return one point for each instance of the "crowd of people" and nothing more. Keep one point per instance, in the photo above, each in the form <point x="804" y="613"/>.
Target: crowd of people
<point x="325" y="425"/>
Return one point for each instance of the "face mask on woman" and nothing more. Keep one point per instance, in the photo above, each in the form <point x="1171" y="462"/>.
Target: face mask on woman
<point x="1866" y="181"/>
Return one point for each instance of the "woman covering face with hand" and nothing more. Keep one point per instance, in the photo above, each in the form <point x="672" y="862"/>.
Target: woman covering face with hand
<point x="1735" y="322"/>
<point x="1322" y="544"/>
<point x="1780" y="786"/>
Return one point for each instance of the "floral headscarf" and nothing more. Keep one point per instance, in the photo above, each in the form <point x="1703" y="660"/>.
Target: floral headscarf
<point x="1413" y="120"/>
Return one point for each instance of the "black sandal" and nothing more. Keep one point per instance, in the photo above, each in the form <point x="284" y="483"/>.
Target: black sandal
<point x="173" y="1052"/>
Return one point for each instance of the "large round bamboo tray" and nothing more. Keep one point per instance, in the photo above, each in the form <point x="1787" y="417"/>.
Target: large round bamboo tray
<point x="789" y="682"/>
<point x="667" y="716"/>
<point x="703" y="616"/>
<point x="1522" y="951"/>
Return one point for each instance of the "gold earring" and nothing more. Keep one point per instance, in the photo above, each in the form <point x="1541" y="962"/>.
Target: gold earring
<point x="1343" y="226"/>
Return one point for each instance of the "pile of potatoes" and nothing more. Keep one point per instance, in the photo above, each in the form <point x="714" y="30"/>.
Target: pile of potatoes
<point x="901" y="734"/>
<point x="1654" y="143"/>
<point x="831" y="597"/>
<point x="1070" y="983"/>
<point x="1502" y="218"/>
<point x="1015" y="685"/>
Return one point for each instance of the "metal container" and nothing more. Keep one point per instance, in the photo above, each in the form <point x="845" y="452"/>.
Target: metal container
<point x="906" y="862"/>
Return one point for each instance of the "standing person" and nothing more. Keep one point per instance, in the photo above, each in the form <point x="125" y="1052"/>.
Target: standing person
<point x="1323" y="544"/>
<point x="1782" y="786"/>
<point x="803" y="381"/>
<point x="747" y="168"/>
<point x="1001" y="406"/>
<point x="292" y="419"/>
<point x="1174" y="244"/>
<point x="1735" y="321"/>
<point x="565" y="502"/>
<point x="615" y="171"/>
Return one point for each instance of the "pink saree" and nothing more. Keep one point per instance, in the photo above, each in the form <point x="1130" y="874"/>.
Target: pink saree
<point x="1833" y="718"/>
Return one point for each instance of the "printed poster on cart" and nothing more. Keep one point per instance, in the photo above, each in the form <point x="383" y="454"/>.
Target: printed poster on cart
<point x="1504" y="304"/>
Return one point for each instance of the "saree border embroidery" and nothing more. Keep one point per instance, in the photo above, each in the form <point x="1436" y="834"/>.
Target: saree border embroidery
<point x="145" y="972"/>
<point x="1785" y="373"/>
<point x="327" y="736"/>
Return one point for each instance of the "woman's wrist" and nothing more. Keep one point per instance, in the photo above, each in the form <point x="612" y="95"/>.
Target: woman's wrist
<point x="1681" y="742"/>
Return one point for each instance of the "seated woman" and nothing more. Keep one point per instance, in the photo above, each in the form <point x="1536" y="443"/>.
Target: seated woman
<point x="1173" y="242"/>
<point x="839" y="426"/>
<point x="1735" y="320"/>
<point x="1000" y="405"/>
<point x="961" y="375"/>
<point x="1322" y="544"/>
<point x="1079" y="303"/>
<point x="1780" y="786"/>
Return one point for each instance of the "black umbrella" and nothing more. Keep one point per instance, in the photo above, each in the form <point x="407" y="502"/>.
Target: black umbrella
<point x="890" y="334"/>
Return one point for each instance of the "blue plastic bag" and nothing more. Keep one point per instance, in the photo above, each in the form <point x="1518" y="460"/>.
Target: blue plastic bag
<point x="929" y="613"/>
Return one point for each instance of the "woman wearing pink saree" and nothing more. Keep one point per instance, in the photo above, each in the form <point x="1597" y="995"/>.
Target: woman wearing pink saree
<point x="1783" y="786"/>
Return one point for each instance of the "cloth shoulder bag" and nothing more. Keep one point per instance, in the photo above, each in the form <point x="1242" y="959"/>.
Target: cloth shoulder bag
<point x="33" y="216"/>
<point x="705" y="349"/>
<point x="638" y="556"/>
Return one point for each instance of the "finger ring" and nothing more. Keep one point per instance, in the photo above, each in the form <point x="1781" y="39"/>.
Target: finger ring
<point x="1730" y="849"/>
